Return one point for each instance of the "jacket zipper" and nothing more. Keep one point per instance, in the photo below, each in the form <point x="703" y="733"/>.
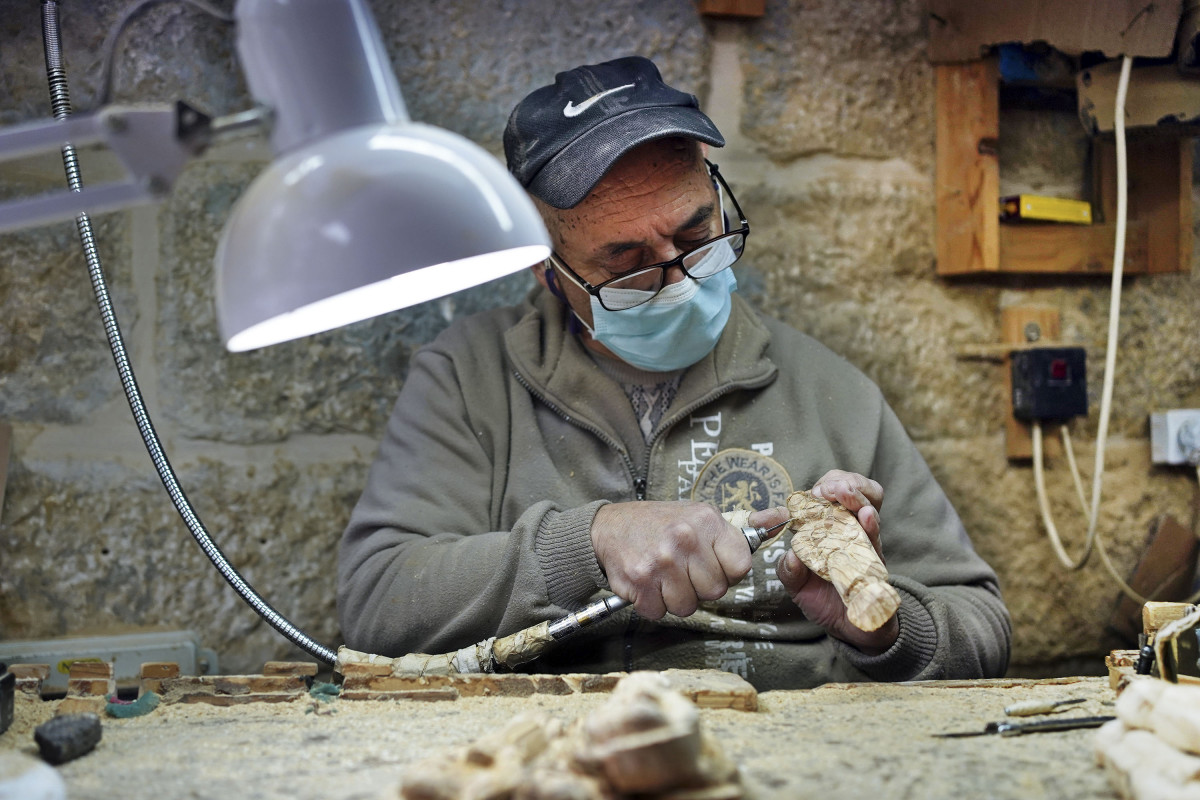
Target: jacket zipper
<point x="677" y="417"/>
<point x="640" y="478"/>
<point x="639" y="483"/>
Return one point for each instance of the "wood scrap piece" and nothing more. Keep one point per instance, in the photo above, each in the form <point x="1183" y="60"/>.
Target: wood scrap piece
<point x="91" y="678"/>
<point x="829" y="540"/>
<point x="226" y="690"/>
<point x="306" y="669"/>
<point x="1156" y="614"/>
<point x="713" y="688"/>
<point x="425" y="695"/>
<point x="81" y="705"/>
<point x="29" y="677"/>
<point x="1121" y="666"/>
<point x="152" y="674"/>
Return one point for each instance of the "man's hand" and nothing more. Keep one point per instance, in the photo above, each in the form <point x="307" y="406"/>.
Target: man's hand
<point x="668" y="556"/>
<point x="816" y="597"/>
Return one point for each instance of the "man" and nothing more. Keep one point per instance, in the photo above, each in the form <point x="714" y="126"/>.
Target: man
<point x="586" y="442"/>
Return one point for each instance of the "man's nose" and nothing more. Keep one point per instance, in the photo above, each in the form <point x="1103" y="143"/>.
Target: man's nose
<point x="674" y="275"/>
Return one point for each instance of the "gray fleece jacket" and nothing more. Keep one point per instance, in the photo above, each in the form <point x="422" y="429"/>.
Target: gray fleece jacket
<point x="506" y="438"/>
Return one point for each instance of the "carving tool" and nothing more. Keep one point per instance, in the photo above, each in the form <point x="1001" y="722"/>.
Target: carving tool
<point x="605" y="607"/>
<point x="1041" y="726"/>
<point x="502" y="654"/>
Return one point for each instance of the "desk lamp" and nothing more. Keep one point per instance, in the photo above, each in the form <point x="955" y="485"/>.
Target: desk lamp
<point x="362" y="212"/>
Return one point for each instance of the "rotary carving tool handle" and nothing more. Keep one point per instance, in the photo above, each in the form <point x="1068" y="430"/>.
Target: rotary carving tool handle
<point x="607" y="606"/>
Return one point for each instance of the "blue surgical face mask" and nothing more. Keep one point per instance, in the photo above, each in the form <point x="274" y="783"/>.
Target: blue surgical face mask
<point x="675" y="329"/>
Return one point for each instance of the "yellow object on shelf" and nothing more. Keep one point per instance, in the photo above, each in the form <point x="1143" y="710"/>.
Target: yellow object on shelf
<point x="1045" y="209"/>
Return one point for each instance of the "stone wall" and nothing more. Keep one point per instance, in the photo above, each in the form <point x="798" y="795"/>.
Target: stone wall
<point x="829" y="117"/>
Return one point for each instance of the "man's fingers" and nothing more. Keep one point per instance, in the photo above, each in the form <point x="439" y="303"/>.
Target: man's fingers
<point x="792" y="573"/>
<point x="679" y="598"/>
<point x="769" y="517"/>
<point x="850" y="489"/>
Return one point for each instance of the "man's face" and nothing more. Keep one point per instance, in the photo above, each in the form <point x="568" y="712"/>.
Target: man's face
<point x="655" y="203"/>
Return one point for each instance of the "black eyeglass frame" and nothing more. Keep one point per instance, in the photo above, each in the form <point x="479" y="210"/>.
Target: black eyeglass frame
<point x="743" y="231"/>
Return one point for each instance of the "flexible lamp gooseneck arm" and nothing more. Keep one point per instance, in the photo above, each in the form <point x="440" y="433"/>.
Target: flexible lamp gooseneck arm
<point x="434" y="162"/>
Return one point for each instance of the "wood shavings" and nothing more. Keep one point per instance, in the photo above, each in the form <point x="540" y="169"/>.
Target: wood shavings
<point x="1151" y="751"/>
<point x="645" y="741"/>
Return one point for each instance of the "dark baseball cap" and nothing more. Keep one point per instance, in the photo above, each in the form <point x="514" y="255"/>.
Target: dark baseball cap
<point x="563" y="138"/>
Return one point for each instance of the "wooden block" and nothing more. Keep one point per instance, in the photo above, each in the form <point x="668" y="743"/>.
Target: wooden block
<point x="427" y="695"/>
<point x="91" y="669"/>
<point x="360" y="669"/>
<point x="301" y="668"/>
<point x="1157" y="614"/>
<point x="467" y="685"/>
<point x="159" y="669"/>
<point x="1016" y="323"/>
<point x="235" y="700"/>
<point x="39" y="671"/>
<point x="1121" y="664"/>
<point x="596" y="683"/>
<point x="81" y="705"/>
<point x="1071" y="249"/>
<point x="91" y="687"/>
<point x="1160" y="195"/>
<point x="231" y="689"/>
<point x="732" y="8"/>
<point x="967" y="187"/>
<point x="713" y="688"/>
<point x="31" y="686"/>
<point x="153" y="673"/>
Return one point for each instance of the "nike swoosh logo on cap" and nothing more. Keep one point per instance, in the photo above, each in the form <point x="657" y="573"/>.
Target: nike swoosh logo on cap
<point x="571" y="110"/>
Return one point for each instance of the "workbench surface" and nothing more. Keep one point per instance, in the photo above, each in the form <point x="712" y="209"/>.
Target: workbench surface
<point x="838" y="741"/>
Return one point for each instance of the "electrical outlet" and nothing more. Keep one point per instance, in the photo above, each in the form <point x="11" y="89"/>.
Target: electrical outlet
<point x="1049" y="383"/>
<point x="1175" y="436"/>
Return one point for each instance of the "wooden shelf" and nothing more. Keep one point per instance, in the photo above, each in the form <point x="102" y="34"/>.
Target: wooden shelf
<point x="970" y="237"/>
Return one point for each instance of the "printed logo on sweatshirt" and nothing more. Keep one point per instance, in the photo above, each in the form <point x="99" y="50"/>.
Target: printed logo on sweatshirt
<point x="746" y="480"/>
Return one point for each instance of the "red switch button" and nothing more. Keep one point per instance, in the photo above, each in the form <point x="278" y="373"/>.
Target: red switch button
<point x="1059" y="370"/>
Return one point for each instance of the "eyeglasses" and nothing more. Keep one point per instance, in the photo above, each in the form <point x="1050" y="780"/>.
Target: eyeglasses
<point x="703" y="261"/>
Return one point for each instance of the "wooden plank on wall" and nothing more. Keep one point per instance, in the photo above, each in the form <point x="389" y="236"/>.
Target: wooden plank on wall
<point x="1066" y="249"/>
<point x="732" y="8"/>
<point x="962" y="30"/>
<point x="1160" y="195"/>
<point x="968" y="171"/>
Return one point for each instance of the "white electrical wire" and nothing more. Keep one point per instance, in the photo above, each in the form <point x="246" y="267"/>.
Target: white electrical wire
<point x="1110" y="361"/>
<point x="1110" y="357"/>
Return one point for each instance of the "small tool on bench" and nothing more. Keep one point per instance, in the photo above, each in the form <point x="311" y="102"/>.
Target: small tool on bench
<point x="1029" y="708"/>
<point x="1041" y="726"/>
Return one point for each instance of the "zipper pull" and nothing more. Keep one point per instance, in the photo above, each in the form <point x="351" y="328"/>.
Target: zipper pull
<point x="639" y="489"/>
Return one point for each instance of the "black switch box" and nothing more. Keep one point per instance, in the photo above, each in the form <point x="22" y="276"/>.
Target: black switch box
<point x="1049" y="383"/>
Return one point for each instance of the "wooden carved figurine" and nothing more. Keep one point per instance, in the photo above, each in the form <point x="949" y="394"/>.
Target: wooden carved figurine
<point x="829" y="540"/>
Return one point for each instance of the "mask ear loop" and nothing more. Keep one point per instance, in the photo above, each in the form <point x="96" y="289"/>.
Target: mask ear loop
<point x="574" y="327"/>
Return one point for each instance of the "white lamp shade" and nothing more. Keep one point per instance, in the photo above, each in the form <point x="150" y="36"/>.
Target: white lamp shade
<point x="364" y="222"/>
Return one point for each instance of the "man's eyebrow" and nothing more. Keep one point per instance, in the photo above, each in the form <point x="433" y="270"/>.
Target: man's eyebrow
<point x="703" y="214"/>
